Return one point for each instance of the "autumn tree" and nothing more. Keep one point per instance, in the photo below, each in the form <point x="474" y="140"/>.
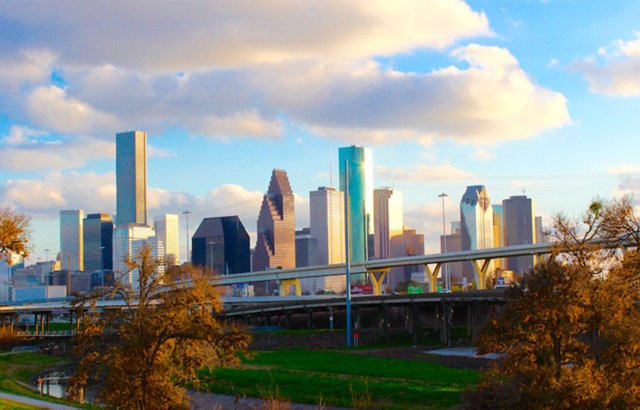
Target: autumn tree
<point x="142" y="355"/>
<point x="14" y="233"/>
<point x="570" y="333"/>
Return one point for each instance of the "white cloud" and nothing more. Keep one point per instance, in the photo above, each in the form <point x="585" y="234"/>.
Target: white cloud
<point x="196" y="34"/>
<point x="427" y="219"/>
<point x="614" y="71"/>
<point x="423" y="173"/>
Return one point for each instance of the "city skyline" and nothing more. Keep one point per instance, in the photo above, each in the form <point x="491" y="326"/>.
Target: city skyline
<point x="552" y="112"/>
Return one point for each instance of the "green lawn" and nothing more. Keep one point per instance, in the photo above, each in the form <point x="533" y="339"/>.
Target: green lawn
<point x="343" y="379"/>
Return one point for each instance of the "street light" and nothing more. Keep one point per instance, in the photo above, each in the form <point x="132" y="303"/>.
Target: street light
<point x="211" y="243"/>
<point x="447" y="279"/>
<point x="187" y="213"/>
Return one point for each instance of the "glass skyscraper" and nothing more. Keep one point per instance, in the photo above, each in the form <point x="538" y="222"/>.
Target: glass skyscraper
<point x="222" y="245"/>
<point x="71" y="241"/>
<point x="519" y="229"/>
<point x="167" y="231"/>
<point x="476" y="220"/>
<point x="359" y="161"/>
<point x="131" y="178"/>
<point x="98" y="242"/>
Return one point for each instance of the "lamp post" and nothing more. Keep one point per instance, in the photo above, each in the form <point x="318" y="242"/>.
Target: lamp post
<point x="211" y="253"/>
<point x="186" y="214"/>
<point x="447" y="279"/>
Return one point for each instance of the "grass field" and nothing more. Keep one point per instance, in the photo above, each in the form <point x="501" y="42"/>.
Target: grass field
<point x="342" y="379"/>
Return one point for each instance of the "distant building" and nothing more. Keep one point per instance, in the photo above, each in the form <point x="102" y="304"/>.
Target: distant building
<point x="98" y="242"/>
<point x="476" y="221"/>
<point x="452" y="243"/>
<point x="519" y="229"/>
<point x="71" y="239"/>
<point x="326" y="206"/>
<point x="541" y="233"/>
<point x="498" y="234"/>
<point x="222" y="244"/>
<point x="167" y="229"/>
<point x="276" y="243"/>
<point x="6" y="268"/>
<point x="408" y="243"/>
<point x="387" y="219"/>
<point x="131" y="178"/>
<point x="359" y="163"/>
<point x="127" y="241"/>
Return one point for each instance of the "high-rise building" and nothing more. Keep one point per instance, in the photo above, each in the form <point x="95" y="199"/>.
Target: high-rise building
<point x="519" y="229"/>
<point x="359" y="163"/>
<point x="498" y="234"/>
<point x="127" y="241"/>
<point x="326" y="212"/>
<point x="408" y="243"/>
<point x="131" y="178"/>
<point x="276" y="244"/>
<point x="541" y="234"/>
<point x="388" y="221"/>
<point x="98" y="242"/>
<point x="476" y="222"/>
<point x="167" y="229"/>
<point x="222" y="244"/>
<point x="71" y="244"/>
<point x="452" y="242"/>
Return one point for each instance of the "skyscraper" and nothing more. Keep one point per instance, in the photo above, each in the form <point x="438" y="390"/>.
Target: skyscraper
<point x="222" y="244"/>
<point x="276" y="244"/>
<point x="476" y="222"/>
<point x="127" y="240"/>
<point x="167" y="230"/>
<point x="71" y="240"/>
<point x="131" y="178"/>
<point x="519" y="229"/>
<point x="359" y="162"/>
<point x="387" y="219"/>
<point x="326" y="212"/>
<point x="98" y="242"/>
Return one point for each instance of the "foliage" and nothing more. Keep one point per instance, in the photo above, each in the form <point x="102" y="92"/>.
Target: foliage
<point x="570" y="334"/>
<point x="14" y="233"/>
<point x="343" y="379"/>
<point x="141" y="356"/>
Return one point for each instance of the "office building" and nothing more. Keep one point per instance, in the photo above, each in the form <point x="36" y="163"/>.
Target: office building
<point x="498" y="234"/>
<point x="326" y="212"/>
<point x="519" y="229"/>
<point x="71" y="239"/>
<point x="131" y="178"/>
<point x="452" y="242"/>
<point x="222" y="245"/>
<point x="388" y="221"/>
<point x="98" y="242"/>
<point x="127" y="241"/>
<point x="167" y="229"/>
<point x="408" y="243"/>
<point x="358" y="161"/>
<point x="542" y="235"/>
<point x="276" y="243"/>
<point x="476" y="222"/>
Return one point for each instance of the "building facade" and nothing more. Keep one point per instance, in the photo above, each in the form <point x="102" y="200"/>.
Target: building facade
<point x="71" y="239"/>
<point x="358" y="163"/>
<point x="519" y="229"/>
<point x="326" y="213"/>
<point x="476" y="224"/>
<point x="276" y="243"/>
<point x="98" y="242"/>
<point x="167" y="229"/>
<point x="131" y="178"/>
<point x="387" y="219"/>
<point x="127" y="241"/>
<point x="222" y="245"/>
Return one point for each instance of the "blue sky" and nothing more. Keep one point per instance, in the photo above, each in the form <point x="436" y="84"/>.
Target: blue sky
<point x="540" y="97"/>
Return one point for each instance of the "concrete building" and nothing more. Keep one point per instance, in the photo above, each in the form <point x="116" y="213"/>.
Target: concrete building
<point x="453" y="242"/>
<point x="276" y="243"/>
<point x="6" y="268"/>
<point x="519" y="229"/>
<point x="476" y="222"/>
<point x="359" y="163"/>
<point x="326" y="212"/>
<point x="98" y="242"/>
<point x="127" y="240"/>
<point x="408" y="243"/>
<point x="387" y="219"/>
<point x="71" y="239"/>
<point x="131" y="178"/>
<point x="167" y="229"/>
<point x="541" y="233"/>
<point x="222" y="244"/>
<point x="498" y="234"/>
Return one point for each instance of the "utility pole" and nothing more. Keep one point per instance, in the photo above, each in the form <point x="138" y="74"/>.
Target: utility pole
<point x="186" y="214"/>
<point x="447" y="279"/>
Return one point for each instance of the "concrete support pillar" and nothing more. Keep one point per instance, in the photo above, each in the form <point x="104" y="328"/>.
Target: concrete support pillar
<point x="377" y="277"/>
<point x="285" y="287"/>
<point x="481" y="272"/>
<point x="288" y="320"/>
<point x="415" y="323"/>
<point x="309" y="319"/>
<point x="432" y="275"/>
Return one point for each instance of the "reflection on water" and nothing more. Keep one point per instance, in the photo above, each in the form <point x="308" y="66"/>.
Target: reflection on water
<point x="52" y="384"/>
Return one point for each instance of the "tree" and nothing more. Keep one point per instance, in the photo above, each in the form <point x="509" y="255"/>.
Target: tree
<point x="143" y="355"/>
<point x="14" y="233"/>
<point x="570" y="333"/>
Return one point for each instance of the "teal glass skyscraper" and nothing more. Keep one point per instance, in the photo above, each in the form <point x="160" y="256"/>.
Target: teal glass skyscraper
<point x="359" y="161"/>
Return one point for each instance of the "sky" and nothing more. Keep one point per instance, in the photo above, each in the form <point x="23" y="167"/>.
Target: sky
<point x="529" y="96"/>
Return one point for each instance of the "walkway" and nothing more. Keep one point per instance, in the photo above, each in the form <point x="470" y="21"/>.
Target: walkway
<point x="35" y="402"/>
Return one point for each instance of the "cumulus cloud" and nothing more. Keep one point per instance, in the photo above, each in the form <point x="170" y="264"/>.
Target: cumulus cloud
<point x="187" y="35"/>
<point x="614" y="70"/>
<point x="423" y="173"/>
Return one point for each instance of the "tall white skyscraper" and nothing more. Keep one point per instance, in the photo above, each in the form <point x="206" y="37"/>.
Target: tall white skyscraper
<point x="327" y="227"/>
<point x="131" y="178"/>
<point x="167" y="231"/>
<point x="387" y="219"/>
<point x="127" y="240"/>
<point x="71" y="239"/>
<point x="476" y="221"/>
